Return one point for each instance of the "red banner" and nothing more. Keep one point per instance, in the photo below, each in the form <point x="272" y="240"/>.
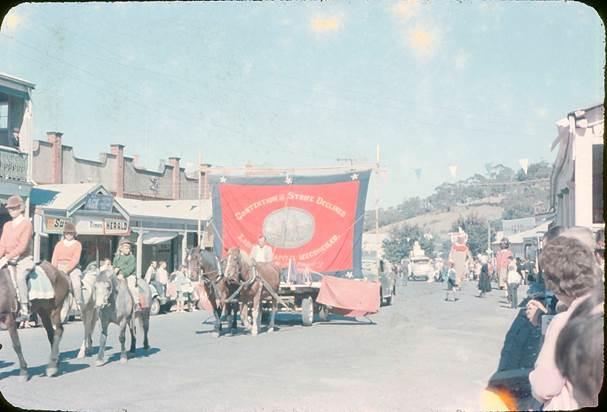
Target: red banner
<point x="313" y="224"/>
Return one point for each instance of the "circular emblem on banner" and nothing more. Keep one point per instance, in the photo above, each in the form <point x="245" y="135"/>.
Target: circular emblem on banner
<point x="289" y="227"/>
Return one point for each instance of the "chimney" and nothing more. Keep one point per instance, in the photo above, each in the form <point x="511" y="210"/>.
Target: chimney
<point x="136" y="161"/>
<point x="174" y="161"/>
<point x="118" y="151"/>
<point x="54" y="138"/>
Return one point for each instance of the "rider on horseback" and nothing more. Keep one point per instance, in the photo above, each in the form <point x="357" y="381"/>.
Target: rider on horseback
<point x="16" y="249"/>
<point x="66" y="257"/>
<point x="262" y="252"/>
<point x="125" y="265"/>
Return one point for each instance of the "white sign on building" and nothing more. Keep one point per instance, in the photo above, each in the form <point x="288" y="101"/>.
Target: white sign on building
<point x="513" y="226"/>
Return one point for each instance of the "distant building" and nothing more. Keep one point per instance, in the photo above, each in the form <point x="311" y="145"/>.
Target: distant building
<point x="576" y="184"/>
<point x="372" y="244"/>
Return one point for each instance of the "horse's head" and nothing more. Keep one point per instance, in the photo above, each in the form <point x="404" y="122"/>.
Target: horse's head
<point x="103" y="289"/>
<point x="192" y="260"/>
<point x="233" y="266"/>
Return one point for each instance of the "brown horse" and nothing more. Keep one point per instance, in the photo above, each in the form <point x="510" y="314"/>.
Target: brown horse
<point x="252" y="278"/>
<point x="207" y="267"/>
<point x="49" y="311"/>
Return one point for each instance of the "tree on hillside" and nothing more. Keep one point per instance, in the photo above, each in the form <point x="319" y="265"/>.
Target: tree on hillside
<point x="476" y="228"/>
<point x="540" y="170"/>
<point x="401" y="240"/>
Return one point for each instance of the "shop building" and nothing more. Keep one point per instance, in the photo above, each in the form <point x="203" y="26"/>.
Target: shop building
<point x="164" y="229"/>
<point x="576" y="184"/>
<point x="159" y="230"/>
<point x="15" y="129"/>
<point x="100" y="221"/>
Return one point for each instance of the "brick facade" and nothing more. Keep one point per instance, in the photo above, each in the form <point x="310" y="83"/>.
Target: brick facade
<point x="55" y="163"/>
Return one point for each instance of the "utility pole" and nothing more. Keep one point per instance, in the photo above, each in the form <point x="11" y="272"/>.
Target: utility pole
<point x="199" y="232"/>
<point x="488" y="236"/>
<point x="378" y="245"/>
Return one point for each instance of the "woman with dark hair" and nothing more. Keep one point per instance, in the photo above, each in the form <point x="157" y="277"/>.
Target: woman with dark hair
<point x="572" y="273"/>
<point x="579" y="349"/>
<point x="484" y="281"/>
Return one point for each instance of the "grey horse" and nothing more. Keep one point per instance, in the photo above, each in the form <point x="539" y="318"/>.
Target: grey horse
<point x="114" y="304"/>
<point x="88" y="313"/>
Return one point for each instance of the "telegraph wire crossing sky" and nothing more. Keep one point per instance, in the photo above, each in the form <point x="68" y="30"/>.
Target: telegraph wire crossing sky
<point x="436" y="85"/>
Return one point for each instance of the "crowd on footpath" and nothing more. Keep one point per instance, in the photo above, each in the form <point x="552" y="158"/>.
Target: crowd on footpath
<point x="567" y="294"/>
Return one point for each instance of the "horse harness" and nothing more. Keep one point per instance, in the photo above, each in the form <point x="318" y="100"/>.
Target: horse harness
<point x="252" y="277"/>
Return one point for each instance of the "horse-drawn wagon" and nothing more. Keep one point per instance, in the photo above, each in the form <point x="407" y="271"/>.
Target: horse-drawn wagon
<point x="312" y="222"/>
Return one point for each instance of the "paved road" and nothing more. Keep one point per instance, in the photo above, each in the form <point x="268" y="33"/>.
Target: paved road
<point x="421" y="353"/>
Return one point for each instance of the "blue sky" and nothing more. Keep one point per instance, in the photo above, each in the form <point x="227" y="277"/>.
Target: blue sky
<point x="302" y="83"/>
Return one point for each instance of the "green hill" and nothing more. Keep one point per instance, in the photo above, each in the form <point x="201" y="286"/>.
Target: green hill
<point x="500" y="193"/>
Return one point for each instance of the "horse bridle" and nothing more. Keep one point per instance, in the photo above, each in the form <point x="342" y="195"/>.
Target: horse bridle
<point x="252" y="275"/>
<point x="110" y="291"/>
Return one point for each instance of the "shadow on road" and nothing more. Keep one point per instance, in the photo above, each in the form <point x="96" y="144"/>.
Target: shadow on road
<point x="139" y="353"/>
<point x="4" y="364"/>
<point x="285" y="322"/>
<point x="40" y="370"/>
<point x="517" y="359"/>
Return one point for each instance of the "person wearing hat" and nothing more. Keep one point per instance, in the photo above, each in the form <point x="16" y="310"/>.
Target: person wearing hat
<point x="66" y="257"/>
<point x="125" y="266"/>
<point x="16" y="248"/>
<point x="501" y="262"/>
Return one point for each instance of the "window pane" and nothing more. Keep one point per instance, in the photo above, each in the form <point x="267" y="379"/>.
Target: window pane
<point x="3" y="115"/>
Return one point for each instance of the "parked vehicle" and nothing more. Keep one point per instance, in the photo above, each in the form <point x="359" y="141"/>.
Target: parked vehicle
<point x="421" y="268"/>
<point x="160" y="303"/>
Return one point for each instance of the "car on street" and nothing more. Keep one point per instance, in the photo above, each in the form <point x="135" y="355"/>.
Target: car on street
<point x="421" y="268"/>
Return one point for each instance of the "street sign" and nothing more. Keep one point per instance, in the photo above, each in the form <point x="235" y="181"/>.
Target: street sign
<point x="54" y="224"/>
<point x="99" y="203"/>
<point x="116" y="227"/>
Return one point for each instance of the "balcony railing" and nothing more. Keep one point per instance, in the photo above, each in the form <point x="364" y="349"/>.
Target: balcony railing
<point x="13" y="164"/>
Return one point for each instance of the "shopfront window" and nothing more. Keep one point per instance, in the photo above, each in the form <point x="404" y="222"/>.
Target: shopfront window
<point x="95" y="249"/>
<point x="597" y="183"/>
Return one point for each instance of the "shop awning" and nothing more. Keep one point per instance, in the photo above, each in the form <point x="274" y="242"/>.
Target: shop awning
<point x="41" y="196"/>
<point x="154" y="238"/>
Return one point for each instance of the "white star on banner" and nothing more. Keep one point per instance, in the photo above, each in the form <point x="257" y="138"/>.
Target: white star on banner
<point x="288" y="180"/>
<point x="349" y="275"/>
<point x="354" y="176"/>
<point x="223" y="179"/>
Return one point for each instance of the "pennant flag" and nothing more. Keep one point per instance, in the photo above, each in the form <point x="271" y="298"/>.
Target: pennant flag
<point x="313" y="221"/>
<point x="453" y="170"/>
<point x="524" y="164"/>
<point x="418" y="173"/>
